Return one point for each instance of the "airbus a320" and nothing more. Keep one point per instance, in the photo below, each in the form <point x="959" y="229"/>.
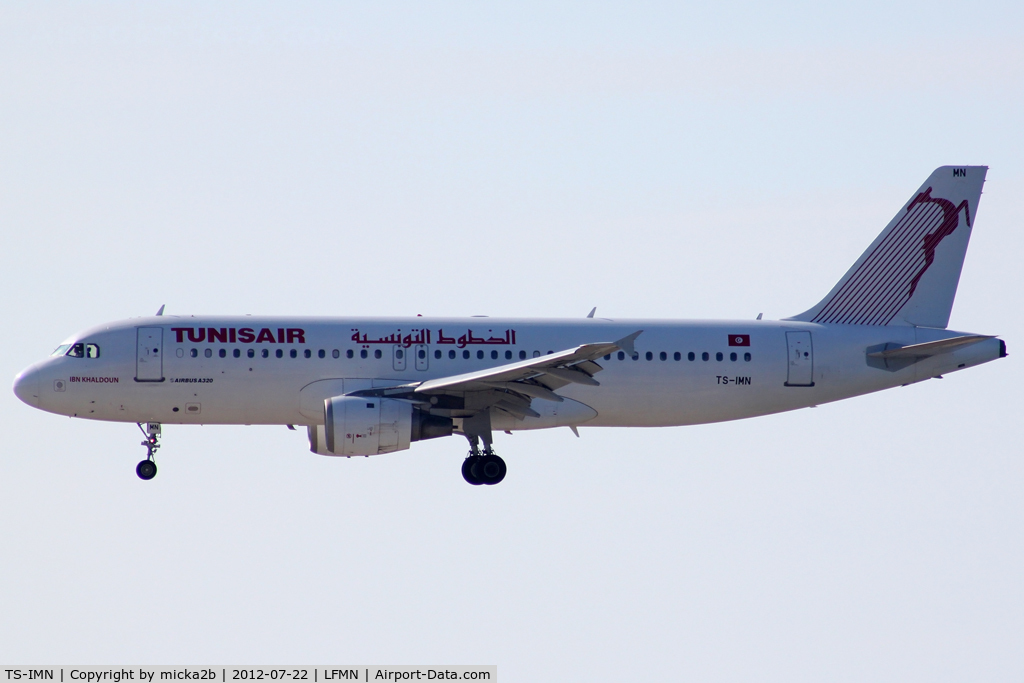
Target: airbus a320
<point x="369" y="386"/>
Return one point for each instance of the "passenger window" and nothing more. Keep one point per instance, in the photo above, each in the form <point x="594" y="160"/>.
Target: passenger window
<point x="236" y="353"/>
<point x="193" y="352"/>
<point x="251" y="353"/>
<point x="508" y="355"/>
<point x="649" y="355"/>
<point x="451" y="355"/>
<point x="265" y="353"/>
<point x="279" y="353"/>
<point x="399" y="353"/>
<point x="77" y="351"/>
<point x="465" y="355"/>
<point x="421" y="353"/>
<point x="608" y="357"/>
<point x="294" y="353"/>
<point x="362" y="353"/>
<point x="677" y="356"/>
<point x="705" y="356"/>
<point x="494" y="355"/>
<point x="321" y="353"/>
<point x="180" y="353"/>
<point x="663" y="355"/>
<point x="480" y="355"/>
<point x="622" y="355"/>
<point x="536" y="354"/>
<point x="719" y="356"/>
<point x="636" y="356"/>
<point x="208" y="353"/>
<point x="223" y="353"/>
<point x="337" y="354"/>
<point x="92" y="351"/>
<point x="746" y="357"/>
<point x="732" y="356"/>
<point x="377" y="353"/>
<point x="691" y="356"/>
<point x="522" y="355"/>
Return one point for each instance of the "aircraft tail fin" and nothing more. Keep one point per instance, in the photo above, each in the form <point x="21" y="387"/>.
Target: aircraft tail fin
<point x="909" y="274"/>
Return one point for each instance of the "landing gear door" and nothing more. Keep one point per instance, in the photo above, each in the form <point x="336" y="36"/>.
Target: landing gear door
<point x="149" y="358"/>
<point x="801" y="360"/>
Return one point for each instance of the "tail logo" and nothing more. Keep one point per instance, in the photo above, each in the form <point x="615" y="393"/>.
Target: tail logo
<point x="950" y="221"/>
<point x="887" y="279"/>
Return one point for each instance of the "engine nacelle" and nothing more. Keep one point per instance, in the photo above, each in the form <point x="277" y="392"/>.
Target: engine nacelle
<point x="355" y="425"/>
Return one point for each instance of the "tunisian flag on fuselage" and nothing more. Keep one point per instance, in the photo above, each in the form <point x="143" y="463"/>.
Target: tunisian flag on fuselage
<point x="739" y="340"/>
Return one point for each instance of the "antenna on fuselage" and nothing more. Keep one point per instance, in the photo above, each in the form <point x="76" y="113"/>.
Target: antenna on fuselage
<point x="161" y="311"/>
<point x="592" y="312"/>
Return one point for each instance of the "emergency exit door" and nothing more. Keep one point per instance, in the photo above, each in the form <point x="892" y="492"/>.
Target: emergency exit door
<point x="149" y="357"/>
<point x="801" y="360"/>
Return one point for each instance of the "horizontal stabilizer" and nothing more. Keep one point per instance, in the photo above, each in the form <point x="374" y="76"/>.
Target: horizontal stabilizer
<point x="929" y="349"/>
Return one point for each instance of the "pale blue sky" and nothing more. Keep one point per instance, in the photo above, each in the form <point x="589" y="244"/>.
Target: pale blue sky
<point x="654" y="160"/>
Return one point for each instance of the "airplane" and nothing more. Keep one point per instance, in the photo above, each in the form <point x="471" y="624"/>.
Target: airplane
<point x="368" y="386"/>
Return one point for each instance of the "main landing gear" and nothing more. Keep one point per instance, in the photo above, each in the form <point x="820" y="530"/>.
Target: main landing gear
<point x="483" y="468"/>
<point x="147" y="468"/>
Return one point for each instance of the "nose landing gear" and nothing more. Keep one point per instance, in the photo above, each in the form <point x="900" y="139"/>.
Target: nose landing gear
<point x="147" y="468"/>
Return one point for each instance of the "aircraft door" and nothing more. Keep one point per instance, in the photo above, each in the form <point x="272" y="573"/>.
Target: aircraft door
<point x="422" y="356"/>
<point x="801" y="360"/>
<point x="398" y="355"/>
<point x="149" y="358"/>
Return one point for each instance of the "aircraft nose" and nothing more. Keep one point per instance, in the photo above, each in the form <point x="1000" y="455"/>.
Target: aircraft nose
<point x="26" y="387"/>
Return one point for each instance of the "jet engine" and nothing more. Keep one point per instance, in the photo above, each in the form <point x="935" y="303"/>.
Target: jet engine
<point x="357" y="425"/>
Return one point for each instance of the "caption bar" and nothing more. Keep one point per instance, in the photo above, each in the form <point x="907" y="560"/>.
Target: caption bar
<point x="234" y="674"/>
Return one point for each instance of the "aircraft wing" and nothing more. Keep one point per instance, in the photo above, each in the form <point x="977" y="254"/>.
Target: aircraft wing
<point x="554" y="370"/>
<point x="511" y="387"/>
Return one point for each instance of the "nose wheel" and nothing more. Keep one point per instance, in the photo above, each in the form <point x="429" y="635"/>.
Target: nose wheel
<point x="146" y="469"/>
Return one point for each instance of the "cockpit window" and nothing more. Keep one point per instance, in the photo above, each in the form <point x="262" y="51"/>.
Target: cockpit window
<point x="80" y="350"/>
<point x="61" y="350"/>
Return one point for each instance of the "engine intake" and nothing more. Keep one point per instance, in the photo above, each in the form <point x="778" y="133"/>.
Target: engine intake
<point x="356" y="425"/>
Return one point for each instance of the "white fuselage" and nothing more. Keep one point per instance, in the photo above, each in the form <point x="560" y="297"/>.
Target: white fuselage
<point x="279" y="370"/>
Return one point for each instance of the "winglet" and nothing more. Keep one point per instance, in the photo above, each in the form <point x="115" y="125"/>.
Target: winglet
<point x="161" y="311"/>
<point x="626" y="343"/>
